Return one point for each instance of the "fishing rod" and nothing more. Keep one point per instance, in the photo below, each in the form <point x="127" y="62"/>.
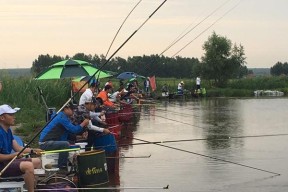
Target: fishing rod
<point x="118" y="32"/>
<point x="121" y="27"/>
<point x="74" y="95"/>
<point x="179" y="121"/>
<point x="176" y="113"/>
<point x="101" y="188"/>
<point x="207" y="28"/>
<point x="178" y="39"/>
<point x="129" y="157"/>
<point x="210" y="157"/>
<point x="182" y="36"/>
<point x="206" y="139"/>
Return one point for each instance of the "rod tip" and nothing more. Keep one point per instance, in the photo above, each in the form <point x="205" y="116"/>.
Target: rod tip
<point x="167" y="187"/>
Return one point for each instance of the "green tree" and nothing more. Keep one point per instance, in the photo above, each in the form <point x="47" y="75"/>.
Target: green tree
<point x="43" y="62"/>
<point x="222" y="60"/>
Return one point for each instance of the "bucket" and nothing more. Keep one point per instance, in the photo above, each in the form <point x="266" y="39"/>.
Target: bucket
<point x="106" y="143"/>
<point x="92" y="168"/>
<point x="125" y="113"/>
<point x="112" y="118"/>
<point x="82" y="146"/>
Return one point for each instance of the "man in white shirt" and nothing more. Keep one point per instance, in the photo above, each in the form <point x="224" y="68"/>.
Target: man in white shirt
<point x="88" y="94"/>
<point x="180" y="88"/>
<point x="198" y="81"/>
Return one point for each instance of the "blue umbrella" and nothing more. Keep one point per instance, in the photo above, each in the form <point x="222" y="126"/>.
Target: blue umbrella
<point x="127" y="75"/>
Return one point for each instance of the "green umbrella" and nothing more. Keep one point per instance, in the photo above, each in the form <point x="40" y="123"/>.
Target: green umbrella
<point x="70" y="68"/>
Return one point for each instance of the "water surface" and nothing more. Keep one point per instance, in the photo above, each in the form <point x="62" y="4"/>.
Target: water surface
<point x="185" y="169"/>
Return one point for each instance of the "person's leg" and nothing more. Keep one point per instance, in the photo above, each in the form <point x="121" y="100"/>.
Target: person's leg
<point x="28" y="169"/>
<point x="57" y="145"/>
<point x="36" y="163"/>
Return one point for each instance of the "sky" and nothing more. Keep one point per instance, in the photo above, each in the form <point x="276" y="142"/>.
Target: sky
<point x="29" y="28"/>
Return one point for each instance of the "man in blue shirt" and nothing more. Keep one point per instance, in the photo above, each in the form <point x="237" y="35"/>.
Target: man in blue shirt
<point x="55" y="134"/>
<point x="7" y="143"/>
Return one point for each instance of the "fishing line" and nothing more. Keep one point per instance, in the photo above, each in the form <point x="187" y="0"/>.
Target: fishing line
<point x="177" y="40"/>
<point x="101" y="188"/>
<point x="207" y="28"/>
<point x="179" y="121"/>
<point x="206" y="139"/>
<point x="176" y="113"/>
<point x="211" y="157"/>
<point x="74" y="95"/>
<point x="182" y="36"/>
<point x="121" y="27"/>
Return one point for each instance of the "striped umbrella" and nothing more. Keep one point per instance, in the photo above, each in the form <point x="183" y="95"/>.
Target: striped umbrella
<point x="70" y="68"/>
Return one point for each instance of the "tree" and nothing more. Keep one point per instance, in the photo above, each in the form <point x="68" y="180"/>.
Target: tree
<point x="279" y="69"/>
<point x="44" y="61"/>
<point x="221" y="60"/>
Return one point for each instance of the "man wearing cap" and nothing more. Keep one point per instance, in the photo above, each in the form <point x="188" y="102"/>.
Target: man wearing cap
<point x="180" y="88"/>
<point x="55" y="134"/>
<point x="7" y="143"/>
<point x="88" y="111"/>
<point x="88" y="93"/>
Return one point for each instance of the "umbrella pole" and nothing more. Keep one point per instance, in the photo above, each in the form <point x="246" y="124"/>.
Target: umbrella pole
<point x="42" y="97"/>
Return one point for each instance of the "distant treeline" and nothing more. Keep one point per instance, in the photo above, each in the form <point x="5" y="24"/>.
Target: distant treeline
<point x="19" y="72"/>
<point x="161" y="66"/>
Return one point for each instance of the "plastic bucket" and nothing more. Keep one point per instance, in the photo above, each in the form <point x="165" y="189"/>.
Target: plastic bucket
<point x="92" y="168"/>
<point x="126" y="113"/>
<point x="105" y="142"/>
<point x="112" y="118"/>
<point x="82" y="146"/>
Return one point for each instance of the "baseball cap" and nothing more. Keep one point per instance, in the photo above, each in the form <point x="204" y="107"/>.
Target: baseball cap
<point x="69" y="105"/>
<point x="7" y="109"/>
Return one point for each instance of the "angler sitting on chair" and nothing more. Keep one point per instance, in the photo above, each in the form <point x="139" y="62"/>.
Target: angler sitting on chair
<point x="7" y="143"/>
<point x="55" y="134"/>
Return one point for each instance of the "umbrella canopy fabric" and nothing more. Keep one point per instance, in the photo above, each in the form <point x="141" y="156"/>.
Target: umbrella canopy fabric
<point x="70" y="68"/>
<point x="86" y="78"/>
<point x="127" y="75"/>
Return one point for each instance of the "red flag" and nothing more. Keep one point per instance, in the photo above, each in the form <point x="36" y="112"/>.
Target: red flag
<point x="152" y="81"/>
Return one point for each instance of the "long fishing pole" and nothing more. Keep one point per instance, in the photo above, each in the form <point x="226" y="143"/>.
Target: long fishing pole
<point x="102" y="188"/>
<point x="210" y="157"/>
<point x="182" y="36"/>
<point x="178" y="39"/>
<point x="207" y="28"/>
<point x="178" y="121"/>
<point x="121" y="27"/>
<point x="74" y="95"/>
<point x="205" y="139"/>
<point x="176" y="113"/>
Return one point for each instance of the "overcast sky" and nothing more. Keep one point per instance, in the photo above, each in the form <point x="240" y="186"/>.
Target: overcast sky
<point x="29" y="28"/>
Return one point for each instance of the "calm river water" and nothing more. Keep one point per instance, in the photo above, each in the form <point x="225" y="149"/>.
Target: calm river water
<point x="187" y="166"/>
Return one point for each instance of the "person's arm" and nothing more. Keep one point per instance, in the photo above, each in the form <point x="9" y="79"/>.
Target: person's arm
<point x="74" y="128"/>
<point x="94" y="127"/>
<point x="7" y="157"/>
<point x="18" y="148"/>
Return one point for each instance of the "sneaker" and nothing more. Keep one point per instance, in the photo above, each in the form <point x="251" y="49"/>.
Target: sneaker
<point x="63" y="171"/>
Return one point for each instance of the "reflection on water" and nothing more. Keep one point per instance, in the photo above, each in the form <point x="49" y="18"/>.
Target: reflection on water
<point x="213" y="121"/>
